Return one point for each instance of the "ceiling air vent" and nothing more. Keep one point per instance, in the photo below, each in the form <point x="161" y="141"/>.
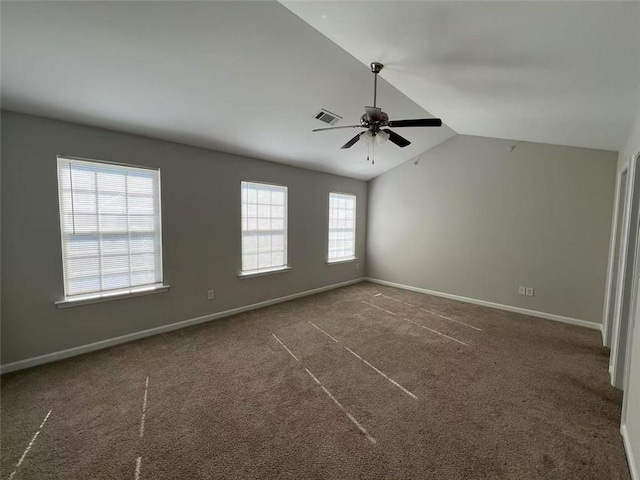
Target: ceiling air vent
<point x="327" y="117"/>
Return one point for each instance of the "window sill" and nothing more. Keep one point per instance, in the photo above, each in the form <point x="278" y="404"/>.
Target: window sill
<point x="342" y="260"/>
<point x="106" y="297"/>
<point x="243" y="275"/>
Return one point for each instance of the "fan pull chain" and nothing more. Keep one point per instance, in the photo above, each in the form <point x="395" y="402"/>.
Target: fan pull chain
<point x="371" y="153"/>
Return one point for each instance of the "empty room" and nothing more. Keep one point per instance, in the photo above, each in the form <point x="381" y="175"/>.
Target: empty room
<point x="394" y="240"/>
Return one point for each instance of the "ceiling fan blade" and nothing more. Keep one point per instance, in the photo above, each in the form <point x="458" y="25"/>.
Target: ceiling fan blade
<point x="336" y="128"/>
<point x="397" y="139"/>
<point x="418" y="122"/>
<point x="351" y="142"/>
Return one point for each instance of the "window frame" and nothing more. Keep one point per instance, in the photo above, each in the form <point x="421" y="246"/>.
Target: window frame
<point x="117" y="293"/>
<point x="354" y="258"/>
<point x="242" y="274"/>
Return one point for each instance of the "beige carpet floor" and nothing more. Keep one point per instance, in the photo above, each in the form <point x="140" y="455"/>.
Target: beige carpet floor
<point x="366" y="382"/>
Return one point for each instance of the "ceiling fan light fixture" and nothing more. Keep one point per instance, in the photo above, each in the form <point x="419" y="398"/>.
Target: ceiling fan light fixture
<point x="381" y="137"/>
<point x="371" y="138"/>
<point x="367" y="137"/>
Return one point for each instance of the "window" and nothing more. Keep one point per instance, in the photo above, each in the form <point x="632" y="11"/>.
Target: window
<point x="110" y="225"/>
<point x="264" y="228"/>
<point x="342" y="227"/>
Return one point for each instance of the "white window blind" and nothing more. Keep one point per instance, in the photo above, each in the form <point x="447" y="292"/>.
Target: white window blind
<point x="111" y="228"/>
<point x="264" y="227"/>
<point x="342" y="227"/>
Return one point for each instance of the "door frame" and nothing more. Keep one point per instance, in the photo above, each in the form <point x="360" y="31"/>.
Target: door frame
<point x="608" y="314"/>
<point x="633" y="323"/>
<point x="618" y="371"/>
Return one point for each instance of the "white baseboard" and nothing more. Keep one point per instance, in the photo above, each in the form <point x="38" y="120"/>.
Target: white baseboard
<point x="72" y="352"/>
<point x="633" y="466"/>
<point x="499" y="306"/>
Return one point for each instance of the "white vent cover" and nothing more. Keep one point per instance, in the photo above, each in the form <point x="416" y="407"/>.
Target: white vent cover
<point x="327" y="117"/>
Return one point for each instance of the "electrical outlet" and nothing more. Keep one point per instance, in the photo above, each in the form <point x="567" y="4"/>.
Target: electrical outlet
<point x="210" y="295"/>
<point x="521" y="290"/>
<point x="529" y="292"/>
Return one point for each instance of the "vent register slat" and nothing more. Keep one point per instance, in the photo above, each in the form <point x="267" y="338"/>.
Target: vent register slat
<point x="327" y="117"/>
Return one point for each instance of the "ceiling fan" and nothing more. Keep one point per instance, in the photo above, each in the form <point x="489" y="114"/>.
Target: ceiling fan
<point x="375" y="120"/>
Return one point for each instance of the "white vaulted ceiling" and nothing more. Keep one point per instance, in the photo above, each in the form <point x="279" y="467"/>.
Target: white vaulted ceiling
<point x="555" y="72"/>
<point x="247" y="77"/>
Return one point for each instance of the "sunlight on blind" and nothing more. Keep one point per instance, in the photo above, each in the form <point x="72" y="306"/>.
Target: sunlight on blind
<point x="110" y="225"/>
<point x="264" y="227"/>
<point x="342" y="227"/>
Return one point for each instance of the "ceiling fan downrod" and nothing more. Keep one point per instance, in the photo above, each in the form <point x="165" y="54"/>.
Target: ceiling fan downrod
<point x="375" y="68"/>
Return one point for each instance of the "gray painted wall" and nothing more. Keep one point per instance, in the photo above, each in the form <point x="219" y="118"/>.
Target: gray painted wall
<point x="474" y="220"/>
<point x="201" y="235"/>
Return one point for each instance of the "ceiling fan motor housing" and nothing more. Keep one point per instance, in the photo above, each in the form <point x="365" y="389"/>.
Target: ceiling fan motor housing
<point x="382" y="120"/>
